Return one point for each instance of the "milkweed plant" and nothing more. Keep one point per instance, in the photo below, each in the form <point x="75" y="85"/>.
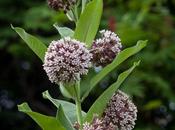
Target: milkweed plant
<point x="70" y="62"/>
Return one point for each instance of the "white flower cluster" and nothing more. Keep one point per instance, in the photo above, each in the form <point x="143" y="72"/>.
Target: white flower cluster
<point x="106" y="48"/>
<point x="65" y="59"/>
<point x="120" y="111"/>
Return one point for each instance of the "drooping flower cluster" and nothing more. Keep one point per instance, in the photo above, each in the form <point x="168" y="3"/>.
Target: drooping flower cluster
<point x="65" y="59"/>
<point x="64" y="5"/>
<point x="121" y="112"/>
<point x="106" y="48"/>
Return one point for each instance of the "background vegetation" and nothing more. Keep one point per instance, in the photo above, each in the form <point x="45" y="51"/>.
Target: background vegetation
<point x="152" y="85"/>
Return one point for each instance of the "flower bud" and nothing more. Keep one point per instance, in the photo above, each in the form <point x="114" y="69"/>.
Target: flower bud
<point x="121" y="112"/>
<point x="64" y="5"/>
<point x="65" y="59"/>
<point x="106" y="48"/>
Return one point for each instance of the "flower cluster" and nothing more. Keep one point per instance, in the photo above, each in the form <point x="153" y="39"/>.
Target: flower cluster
<point x="64" y="5"/>
<point x="106" y="48"/>
<point x="121" y="112"/>
<point x="97" y="124"/>
<point x="65" y="59"/>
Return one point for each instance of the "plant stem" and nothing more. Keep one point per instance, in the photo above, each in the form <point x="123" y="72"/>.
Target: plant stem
<point x="79" y="114"/>
<point x="78" y="105"/>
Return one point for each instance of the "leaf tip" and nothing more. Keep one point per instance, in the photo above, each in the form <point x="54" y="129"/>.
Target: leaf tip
<point x="137" y="63"/>
<point x="142" y="42"/>
<point x="45" y="94"/>
<point x="11" y="25"/>
<point x="23" y="107"/>
<point x="55" y="25"/>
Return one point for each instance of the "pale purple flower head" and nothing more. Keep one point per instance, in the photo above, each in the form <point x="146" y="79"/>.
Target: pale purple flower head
<point x="106" y="48"/>
<point x="64" y="5"/>
<point x="121" y="112"/>
<point x="98" y="124"/>
<point x="66" y="60"/>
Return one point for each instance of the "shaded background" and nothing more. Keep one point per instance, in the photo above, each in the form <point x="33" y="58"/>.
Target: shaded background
<point x="152" y="85"/>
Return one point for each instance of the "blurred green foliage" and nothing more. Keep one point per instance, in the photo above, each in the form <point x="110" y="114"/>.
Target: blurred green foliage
<point x="152" y="85"/>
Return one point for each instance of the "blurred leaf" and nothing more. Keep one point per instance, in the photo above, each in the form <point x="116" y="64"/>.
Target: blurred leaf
<point x="89" y="22"/>
<point x="36" y="45"/>
<point x="100" y="104"/>
<point x="63" y="119"/>
<point x="45" y="122"/>
<point x="153" y="104"/>
<point x="64" y="31"/>
<point x="122" y="56"/>
<point x="39" y="17"/>
<point x="133" y="86"/>
<point x="135" y="33"/>
<point x="69" y="108"/>
<point x="159" y="84"/>
<point x="19" y="50"/>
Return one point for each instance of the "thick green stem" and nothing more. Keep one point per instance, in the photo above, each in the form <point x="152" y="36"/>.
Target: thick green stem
<point x="79" y="114"/>
<point x="78" y="105"/>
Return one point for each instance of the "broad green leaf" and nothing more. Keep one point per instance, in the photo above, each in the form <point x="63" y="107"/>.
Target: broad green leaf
<point x="69" y="108"/>
<point x="89" y="22"/>
<point x="35" y="44"/>
<point x="64" y="31"/>
<point x="45" y="122"/>
<point x="122" y="56"/>
<point x="100" y="104"/>
<point x="63" y="119"/>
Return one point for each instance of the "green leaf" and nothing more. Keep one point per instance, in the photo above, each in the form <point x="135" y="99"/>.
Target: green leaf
<point x="35" y="44"/>
<point x="45" y="122"/>
<point x="122" y="56"/>
<point x="64" y="31"/>
<point x="85" y="81"/>
<point x="89" y="22"/>
<point x="67" y="90"/>
<point x="69" y="108"/>
<point x="63" y="119"/>
<point x="100" y="104"/>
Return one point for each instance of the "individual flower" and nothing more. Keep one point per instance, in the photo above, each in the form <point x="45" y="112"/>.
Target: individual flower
<point x="121" y="112"/>
<point x="106" y="48"/>
<point x="66" y="60"/>
<point x="64" y="5"/>
<point x="98" y="124"/>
